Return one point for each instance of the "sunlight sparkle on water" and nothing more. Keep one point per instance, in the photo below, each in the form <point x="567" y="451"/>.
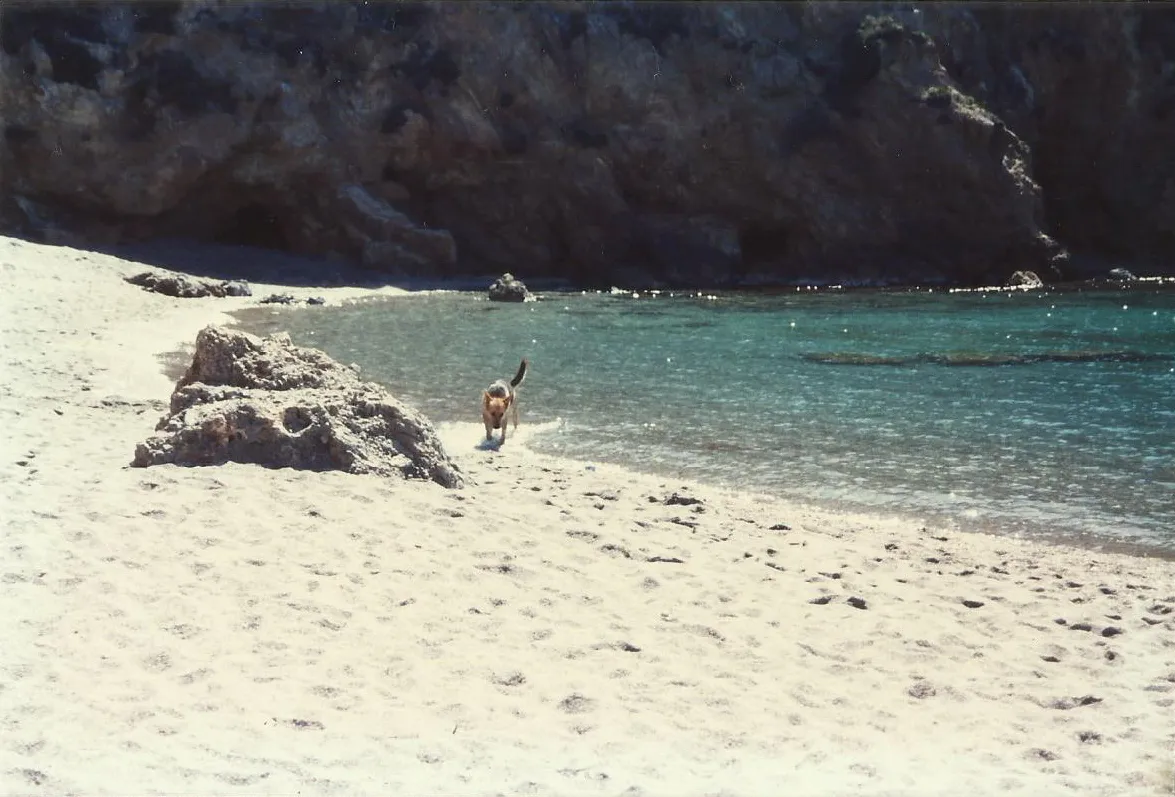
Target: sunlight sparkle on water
<point x="1065" y="455"/>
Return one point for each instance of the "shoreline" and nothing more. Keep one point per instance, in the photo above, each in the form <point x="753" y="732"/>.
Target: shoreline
<point x="256" y="320"/>
<point x="264" y="267"/>
<point x="559" y="627"/>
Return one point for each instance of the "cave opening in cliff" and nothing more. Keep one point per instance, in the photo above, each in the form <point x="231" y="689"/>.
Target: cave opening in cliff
<point x="253" y="225"/>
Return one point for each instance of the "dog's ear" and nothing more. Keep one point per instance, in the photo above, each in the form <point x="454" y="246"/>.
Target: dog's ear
<point x="485" y="398"/>
<point x="509" y="399"/>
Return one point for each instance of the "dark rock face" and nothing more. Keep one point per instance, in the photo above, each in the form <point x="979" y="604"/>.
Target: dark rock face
<point x="1091" y="93"/>
<point x="640" y="144"/>
<point x="268" y="402"/>
<point x="508" y="289"/>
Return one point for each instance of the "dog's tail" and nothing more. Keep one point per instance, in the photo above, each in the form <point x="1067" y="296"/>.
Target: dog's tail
<point x="518" y="377"/>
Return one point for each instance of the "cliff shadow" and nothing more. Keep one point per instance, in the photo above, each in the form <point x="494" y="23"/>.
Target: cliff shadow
<point x="234" y="261"/>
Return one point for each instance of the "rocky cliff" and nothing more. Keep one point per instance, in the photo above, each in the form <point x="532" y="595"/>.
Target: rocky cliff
<point x="634" y="143"/>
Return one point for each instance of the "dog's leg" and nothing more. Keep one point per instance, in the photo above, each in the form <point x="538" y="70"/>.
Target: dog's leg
<point x="485" y="414"/>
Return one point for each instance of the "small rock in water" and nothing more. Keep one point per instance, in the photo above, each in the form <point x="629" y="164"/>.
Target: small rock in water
<point x="972" y="604"/>
<point x="508" y="289"/>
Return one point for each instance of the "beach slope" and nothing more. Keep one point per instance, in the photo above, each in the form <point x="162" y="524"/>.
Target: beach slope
<point x="555" y="627"/>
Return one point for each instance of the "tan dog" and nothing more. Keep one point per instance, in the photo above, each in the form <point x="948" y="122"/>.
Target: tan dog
<point x="500" y="398"/>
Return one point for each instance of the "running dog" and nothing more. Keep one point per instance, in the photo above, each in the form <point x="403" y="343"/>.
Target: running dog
<point x="502" y="397"/>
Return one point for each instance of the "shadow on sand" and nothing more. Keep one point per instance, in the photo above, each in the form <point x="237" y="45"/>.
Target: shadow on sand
<point x="255" y="264"/>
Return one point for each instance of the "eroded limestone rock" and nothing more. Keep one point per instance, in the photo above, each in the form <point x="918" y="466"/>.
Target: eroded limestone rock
<point x="185" y="287"/>
<point x="268" y="402"/>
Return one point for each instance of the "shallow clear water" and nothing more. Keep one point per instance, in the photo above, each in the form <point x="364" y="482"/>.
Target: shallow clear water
<point x="1041" y="413"/>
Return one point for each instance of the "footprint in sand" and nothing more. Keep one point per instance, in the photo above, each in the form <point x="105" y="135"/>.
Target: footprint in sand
<point x="34" y="776"/>
<point x="301" y="725"/>
<point x="159" y="662"/>
<point x="195" y="675"/>
<point x="514" y="678"/>
<point x="576" y="703"/>
<point x="184" y="630"/>
<point x="921" y="690"/>
<point x="1054" y="654"/>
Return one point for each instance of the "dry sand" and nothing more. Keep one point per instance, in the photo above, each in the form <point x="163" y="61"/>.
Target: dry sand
<point x="559" y="628"/>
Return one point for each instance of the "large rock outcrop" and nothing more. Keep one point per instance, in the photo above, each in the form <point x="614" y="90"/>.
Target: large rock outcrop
<point x="267" y="402"/>
<point x="612" y="143"/>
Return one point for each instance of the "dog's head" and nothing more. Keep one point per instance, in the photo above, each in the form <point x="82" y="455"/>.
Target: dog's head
<point x="494" y="408"/>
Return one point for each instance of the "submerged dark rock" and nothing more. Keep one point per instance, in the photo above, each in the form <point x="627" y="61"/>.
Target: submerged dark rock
<point x="641" y="144"/>
<point x="984" y="358"/>
<point x="265" y="401"/>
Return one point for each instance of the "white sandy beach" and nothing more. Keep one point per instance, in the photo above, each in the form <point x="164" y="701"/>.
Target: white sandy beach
<point x="558" y="628"/>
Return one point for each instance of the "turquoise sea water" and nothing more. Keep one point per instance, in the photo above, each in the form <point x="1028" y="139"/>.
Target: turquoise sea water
<point x="1021" y="412"/>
